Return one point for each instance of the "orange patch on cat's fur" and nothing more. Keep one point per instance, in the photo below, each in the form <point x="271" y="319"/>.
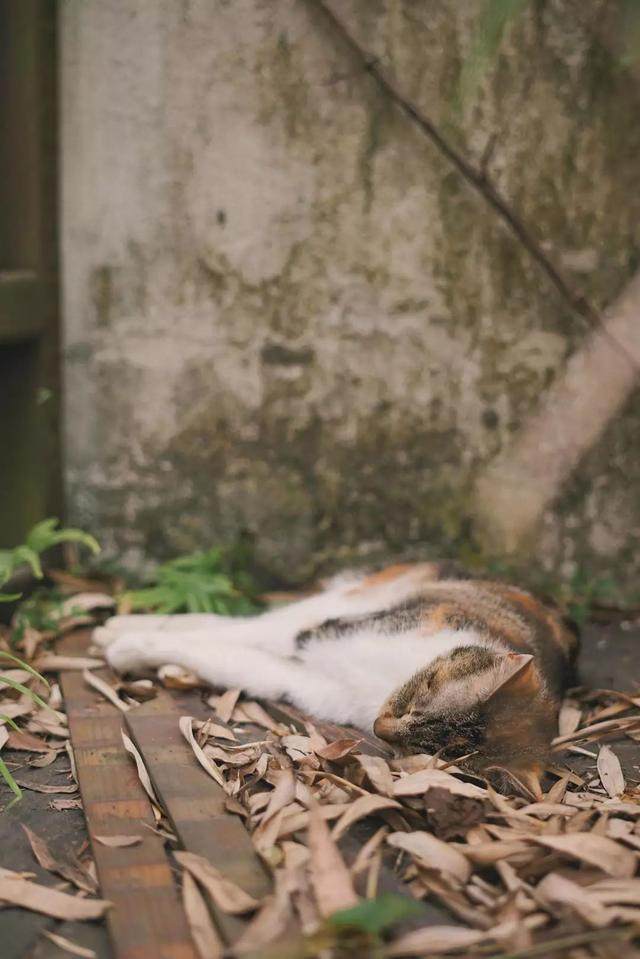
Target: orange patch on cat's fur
<point x="557" y="632"/>
<point x="439" y="617"/>
<point x="390" y="573"/>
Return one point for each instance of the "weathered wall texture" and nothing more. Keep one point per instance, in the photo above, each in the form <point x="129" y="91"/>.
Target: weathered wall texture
<point x="286" y="312"/>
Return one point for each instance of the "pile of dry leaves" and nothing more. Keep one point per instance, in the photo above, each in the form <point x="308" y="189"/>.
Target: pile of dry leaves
<point x="33" y="725"/>
<point x="511" y="870"/>
<point x="332" y="814"/>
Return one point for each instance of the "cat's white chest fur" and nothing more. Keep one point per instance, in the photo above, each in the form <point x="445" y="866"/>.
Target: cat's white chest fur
<point x="366" y="667"/>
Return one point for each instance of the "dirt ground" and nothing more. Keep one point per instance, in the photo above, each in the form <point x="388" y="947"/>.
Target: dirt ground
<point x="610" y="658"/>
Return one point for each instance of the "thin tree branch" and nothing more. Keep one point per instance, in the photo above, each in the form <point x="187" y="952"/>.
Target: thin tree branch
<point x="477" y="178"/>
<point x="515" y="488"/>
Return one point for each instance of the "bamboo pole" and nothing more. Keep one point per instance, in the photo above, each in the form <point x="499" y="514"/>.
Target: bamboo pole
<point x="516" y="488"/>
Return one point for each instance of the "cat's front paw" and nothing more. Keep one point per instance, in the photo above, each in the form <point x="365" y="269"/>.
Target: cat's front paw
<point x="117" y="626"/>
<point x="130" y="653"/>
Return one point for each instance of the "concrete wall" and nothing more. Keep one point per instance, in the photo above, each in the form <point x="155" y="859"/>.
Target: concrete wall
<point x="285" y="311"/>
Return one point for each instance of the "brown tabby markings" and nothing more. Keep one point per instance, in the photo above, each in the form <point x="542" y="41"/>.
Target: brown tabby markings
<point x="390" y="573"/>
<point x="515" y="724"/>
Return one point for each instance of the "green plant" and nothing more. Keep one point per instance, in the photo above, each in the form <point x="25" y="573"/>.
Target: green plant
<point x="374" y="916"/>
<point x="358" y="931"/>
<point x="43" y="536"/>
<point x="40" y="611"/>
<point x="203" y="582"/>
<point x="8" y="681"/>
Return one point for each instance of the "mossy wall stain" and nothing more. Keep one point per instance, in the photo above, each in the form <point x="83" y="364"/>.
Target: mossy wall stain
<point x="285" y="312"/>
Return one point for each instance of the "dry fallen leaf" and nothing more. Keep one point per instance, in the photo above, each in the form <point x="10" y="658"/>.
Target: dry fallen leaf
<point x="337" y="749"/>
<point x="214" y="730"/>
<point x="175" y="677"/>
<point x="299" y="748"/>
<point x="31" y="639"/>
<point x="52" y="663"/>
<point x="13" y="710"/>
<point x="186" y="728"/>
<point x="225" y="704"/>
<point x="19" y="739"/>
<point x="568" y="717"/>
<point x="118" y="842"/>
<point x="610" y="772"/>
<point x="72" y="760"/>
<point x="16" y="676"/>
<point x="366" y="852"/>
<point x="595" y="729"/>
<point x="610" y="891"/>
<point x="71" y="947"/>
<point x="432" y="853"/>
<point x="51" y="728"/>
<point x="415" y="784"/>
<point x="227" y="896"/>
<point x="434" y="939"/>
<point x="450" y="816"/>
<point x="105" y="690"/>
<point x="143" y="775"/>
<point x="45" y="759"/>
<point x="363" y="806"/>
<point x="50" y="902"/>
<point x="254" y="713"/>
<point x="141" y="690"/>
<point x="558" y="790"/>
<point x="270" y="924"/>
<point x="45" y="788"/>
<point x="240" y="758"/>
<point x="73" y="871"/>
<point x="59" y="805"/>
<point x="329" y="875"/>
<point x="542" y="810"/>
<point x="293" y="822"/>
<point x="599" y="851"/>
<point x="561" y="889"/>
<point x="203" y="932"/>
<point x="378" y="773"/>
<point x="264" y="837"/>
<point x="282" y="795"/>
<point x="86" y="602"/>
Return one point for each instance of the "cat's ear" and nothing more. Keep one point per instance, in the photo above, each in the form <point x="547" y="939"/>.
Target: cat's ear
<point x="517" y="676"/>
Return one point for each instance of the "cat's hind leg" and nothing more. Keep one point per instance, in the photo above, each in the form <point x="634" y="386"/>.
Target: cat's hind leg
<point x="275" y="629"/>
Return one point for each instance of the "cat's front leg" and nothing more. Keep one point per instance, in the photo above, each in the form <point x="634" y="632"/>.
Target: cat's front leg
<point x="175" y="624"/>
<point x="217" y="663"/>
<point x="257" y="671"/>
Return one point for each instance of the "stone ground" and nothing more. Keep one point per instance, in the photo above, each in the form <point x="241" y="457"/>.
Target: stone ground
<point x="610" y="658"/>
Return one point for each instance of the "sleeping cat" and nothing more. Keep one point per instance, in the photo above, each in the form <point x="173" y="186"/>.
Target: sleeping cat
<point x="428" y="660"/>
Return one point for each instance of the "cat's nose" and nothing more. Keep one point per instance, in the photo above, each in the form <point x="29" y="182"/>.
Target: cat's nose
<point x="386" y="727"/>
